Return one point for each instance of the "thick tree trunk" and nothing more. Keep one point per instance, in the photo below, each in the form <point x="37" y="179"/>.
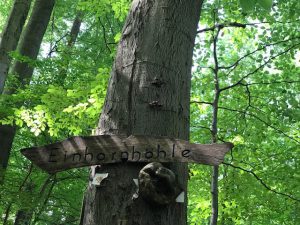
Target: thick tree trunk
<point x="29" y="46"/>
<point x="148" y="94"/>
<point x="10" y="36"/>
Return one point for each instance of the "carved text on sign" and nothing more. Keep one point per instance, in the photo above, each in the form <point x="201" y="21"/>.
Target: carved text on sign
<point x="86" y="151"/>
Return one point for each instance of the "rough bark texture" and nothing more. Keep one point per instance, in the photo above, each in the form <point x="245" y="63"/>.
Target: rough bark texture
<point x="10" y="36"/>
<point x="148" y="94"/>
<point x="29" y="46"/>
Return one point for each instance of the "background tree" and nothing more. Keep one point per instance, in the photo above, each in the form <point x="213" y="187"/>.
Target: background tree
<point x="10" y="36"/>
<point x="28" y="49"/>
<point x="252" y="60"/>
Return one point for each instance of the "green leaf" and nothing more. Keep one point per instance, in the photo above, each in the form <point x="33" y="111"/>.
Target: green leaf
<point x="247" y="5"/>
<point x="266" y="4"/>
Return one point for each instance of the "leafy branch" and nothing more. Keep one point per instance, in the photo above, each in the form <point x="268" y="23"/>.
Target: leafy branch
<point x="257" y="50"/>
<point x="262" y="182"/>
<point x="239" y="82"/>
<point x="240" y="25"/>
<point x="221" y="26"/>
<point x="245" y="112"/>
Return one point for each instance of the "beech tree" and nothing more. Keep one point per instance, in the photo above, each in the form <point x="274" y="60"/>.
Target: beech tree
<point x="10" y="36"/>
<point x="148" y="94"/>
<point x="28" y="48"/>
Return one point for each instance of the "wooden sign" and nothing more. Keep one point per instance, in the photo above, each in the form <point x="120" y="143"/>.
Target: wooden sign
<point x="94" y="150"/>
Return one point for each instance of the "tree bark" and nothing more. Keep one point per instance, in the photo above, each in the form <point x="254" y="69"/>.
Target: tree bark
<point x="29" y="46"/>
<point x="31" y="39"/>
<point x="214" y="137"/>
<point x="23" y="217"/>
<point x="148" y="94"/>
<point x="11" y="35"/>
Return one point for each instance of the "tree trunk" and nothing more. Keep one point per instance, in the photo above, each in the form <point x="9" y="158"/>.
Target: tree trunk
<point x="75" y="29"/>
<point x="29" y="46"/>
<point x="23" y="217"/>
<point x="11" y="35"/>
<point x="148" y="94"/>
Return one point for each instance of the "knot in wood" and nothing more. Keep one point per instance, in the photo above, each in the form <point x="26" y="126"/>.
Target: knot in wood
<point x="157" y="82"/>
<point x="155" y="104"/>
<point x="158" y="184"/>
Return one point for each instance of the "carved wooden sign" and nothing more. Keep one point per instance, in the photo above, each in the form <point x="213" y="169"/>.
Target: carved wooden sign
<point x="94" y="150"/>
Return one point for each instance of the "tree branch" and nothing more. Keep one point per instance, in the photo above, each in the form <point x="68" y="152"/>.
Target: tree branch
<point x="104" y="35"/>
<point x="258" y="68"/>
<point x="261" y="120"/>
<point x="257" y="50"/>
<point x="201" y="102"/>
<point x="221" y="26"/>
<point x="262" y="182"/>
<point x="240" y="25"/>
<point x="274" y="82"/>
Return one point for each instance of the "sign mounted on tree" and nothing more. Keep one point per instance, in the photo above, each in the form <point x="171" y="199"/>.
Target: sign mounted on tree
<point x="94" y="150"/>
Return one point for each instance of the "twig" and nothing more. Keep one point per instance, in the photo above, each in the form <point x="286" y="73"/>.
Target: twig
<point x="54" y="46"/>
<point x="202" y="102"/>
<point x="221" y="26"/>
<point x="104" y="35"/>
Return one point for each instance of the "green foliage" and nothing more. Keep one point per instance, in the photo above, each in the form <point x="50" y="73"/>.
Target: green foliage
<point x="258" y="112"/>
<point x="258" y="109"/>
<point x="64" y="98"/>
<point x="118" y="8"/>
<point x="5" y="6"/>
<point x="249" y="5"/>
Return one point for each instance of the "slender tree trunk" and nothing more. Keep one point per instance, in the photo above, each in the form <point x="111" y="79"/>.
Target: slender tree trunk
<point x="215" y="196"/>
<point x="214" y="132"/>
<point x="148" y="94"/>
<point x="8" y="208"/>
<point x="10" y="36"/>
<point x="75" y="29"/>
<point x="29" y="46"/>
<point x="6" y="214"/>
<point x="23" y="217"/>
